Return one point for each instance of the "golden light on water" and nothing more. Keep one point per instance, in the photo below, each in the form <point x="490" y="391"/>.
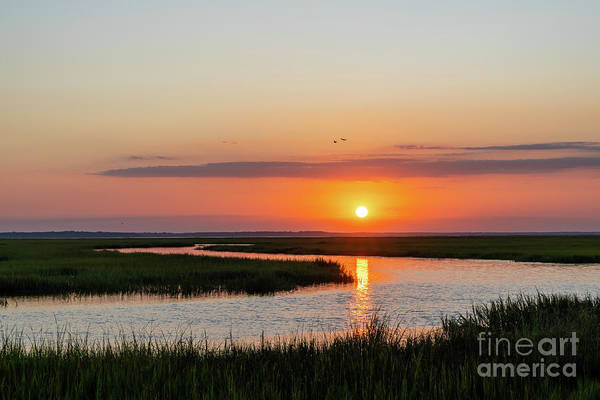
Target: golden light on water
<point x="362" y="274"/>
<point x="361" y="212"/>
<point x="361" y="305"/>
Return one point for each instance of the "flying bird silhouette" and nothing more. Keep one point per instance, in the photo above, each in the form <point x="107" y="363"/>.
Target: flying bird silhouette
<point x="334" y="141"/>
<point x="344" y="139"/>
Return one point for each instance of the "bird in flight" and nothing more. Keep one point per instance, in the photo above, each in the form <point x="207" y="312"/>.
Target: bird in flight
<point x="344" y="139"/>
<point x="334" y="141"/>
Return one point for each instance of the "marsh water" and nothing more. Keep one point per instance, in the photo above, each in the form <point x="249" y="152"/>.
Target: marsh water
<point x="414" y="292"/>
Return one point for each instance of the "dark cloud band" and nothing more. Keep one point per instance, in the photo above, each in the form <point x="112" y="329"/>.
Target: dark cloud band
<point x="360" y="169"/>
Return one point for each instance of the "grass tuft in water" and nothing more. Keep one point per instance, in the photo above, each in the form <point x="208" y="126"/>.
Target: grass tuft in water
<point x="67" y="267"/>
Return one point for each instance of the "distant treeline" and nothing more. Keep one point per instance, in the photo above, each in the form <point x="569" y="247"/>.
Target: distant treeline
<point x="101" y="234"/>
<point x="249" y="234"/>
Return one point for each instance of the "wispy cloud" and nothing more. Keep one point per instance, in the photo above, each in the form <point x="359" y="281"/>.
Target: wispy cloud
<point x="361" y="169"/>
<point x="586" y="146"/>
<point x="135" y="157"/>
<point x="422" y="147"/>
<point x="229" y="142"/>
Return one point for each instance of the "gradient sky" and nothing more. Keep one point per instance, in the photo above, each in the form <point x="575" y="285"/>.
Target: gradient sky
<point x="198" y="116"/>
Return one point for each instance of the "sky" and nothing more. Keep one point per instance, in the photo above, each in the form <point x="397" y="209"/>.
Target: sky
<point x="221" y="116"/>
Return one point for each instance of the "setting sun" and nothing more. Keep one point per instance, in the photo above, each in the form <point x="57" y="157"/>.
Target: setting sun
<point x="361" y="211"/>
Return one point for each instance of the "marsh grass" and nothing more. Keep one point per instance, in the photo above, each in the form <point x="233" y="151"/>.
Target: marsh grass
<point x="534" y="248"/>
<point x="67" y="267"/>
<point x="375" y="361"/>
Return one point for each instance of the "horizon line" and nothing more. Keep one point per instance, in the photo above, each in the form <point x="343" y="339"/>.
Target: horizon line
<point x="284" y="233"/>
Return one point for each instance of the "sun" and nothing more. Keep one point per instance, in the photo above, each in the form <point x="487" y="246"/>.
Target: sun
<point x="361" y="211"/>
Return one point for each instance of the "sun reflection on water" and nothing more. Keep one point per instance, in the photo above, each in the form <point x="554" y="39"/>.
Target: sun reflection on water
<point x="362" y="275"/>
<point x="359" y="309"/>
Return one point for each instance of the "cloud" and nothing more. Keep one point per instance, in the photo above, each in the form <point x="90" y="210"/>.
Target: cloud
<point x="586" y="146"/>
<point x="422" y="147"/>
<point x="372" y="168"/>
<point x="229" y="142"/>
<point x="149" y="158"/>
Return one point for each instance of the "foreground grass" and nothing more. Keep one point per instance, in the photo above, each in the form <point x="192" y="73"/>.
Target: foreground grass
<point x="65" y="267"/>
<point x="372" y="363"/>
<point x="561" y="249"/>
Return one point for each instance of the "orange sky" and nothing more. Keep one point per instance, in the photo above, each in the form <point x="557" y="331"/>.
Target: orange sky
<point x="414" y="204"/>
<point x="461" y="117"/>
